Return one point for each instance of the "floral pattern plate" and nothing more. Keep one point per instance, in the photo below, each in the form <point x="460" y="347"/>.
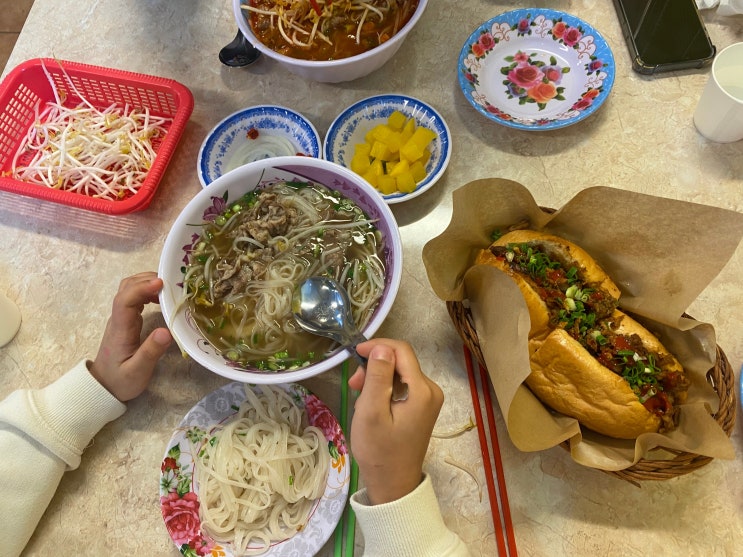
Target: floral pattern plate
<point x="179" y="499"/>
<point x="536" y="69"/>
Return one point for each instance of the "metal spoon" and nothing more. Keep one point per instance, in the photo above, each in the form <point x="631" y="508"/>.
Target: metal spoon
<point x="321" y="306"/>
<point x="239" y="52"/>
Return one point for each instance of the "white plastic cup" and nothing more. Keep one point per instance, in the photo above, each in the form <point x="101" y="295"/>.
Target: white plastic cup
<point x="719" y="114"/>
<point x="730" y="7"/>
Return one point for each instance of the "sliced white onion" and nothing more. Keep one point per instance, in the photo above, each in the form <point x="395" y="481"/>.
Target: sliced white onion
<point x="263" y="147"/>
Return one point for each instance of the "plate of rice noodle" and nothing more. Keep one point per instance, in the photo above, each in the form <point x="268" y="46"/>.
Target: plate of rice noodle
<point x="255" y="470"/>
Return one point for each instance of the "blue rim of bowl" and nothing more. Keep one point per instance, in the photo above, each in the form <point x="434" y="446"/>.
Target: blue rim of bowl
<point x="513" y="18"/>
<point x="381" y="106"/>
<point x="214" y="137"/>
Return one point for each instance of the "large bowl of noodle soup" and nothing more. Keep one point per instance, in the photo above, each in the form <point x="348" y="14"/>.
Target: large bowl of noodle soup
<point x="309" y="38"/>
<point x="230" y="265"/>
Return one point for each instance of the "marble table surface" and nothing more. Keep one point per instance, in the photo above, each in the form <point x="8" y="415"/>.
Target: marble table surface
<point x="62" y="267"/>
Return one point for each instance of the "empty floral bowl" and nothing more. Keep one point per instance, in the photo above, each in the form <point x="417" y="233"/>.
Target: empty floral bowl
<point x="234" y="213"/>
<point x="255" y="133"/>
<point x="536" y="69"/>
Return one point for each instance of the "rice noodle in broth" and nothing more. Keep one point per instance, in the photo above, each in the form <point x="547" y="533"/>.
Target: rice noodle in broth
<point x="327" y="29"/>
<point x="251" y="255"/>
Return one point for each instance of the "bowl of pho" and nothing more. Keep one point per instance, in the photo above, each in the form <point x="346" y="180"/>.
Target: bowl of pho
<point x="312" y="38"/>
<point x="241" y="246"/>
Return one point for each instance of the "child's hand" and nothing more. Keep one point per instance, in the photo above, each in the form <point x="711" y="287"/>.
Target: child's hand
<point x="123" y="365"/>
<point x="389" y="439"/>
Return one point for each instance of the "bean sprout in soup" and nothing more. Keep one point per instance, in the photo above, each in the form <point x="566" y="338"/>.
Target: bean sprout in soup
<point x="326" y="29"/>
<point x="251" y="254"/>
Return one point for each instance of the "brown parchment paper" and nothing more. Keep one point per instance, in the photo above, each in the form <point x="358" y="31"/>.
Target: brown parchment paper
<point x="660" y="252"/>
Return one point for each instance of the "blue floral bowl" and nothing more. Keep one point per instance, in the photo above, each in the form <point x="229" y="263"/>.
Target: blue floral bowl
<point x="536" y="69"/>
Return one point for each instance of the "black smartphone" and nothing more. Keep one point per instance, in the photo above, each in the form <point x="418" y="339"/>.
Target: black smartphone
<point x="664" y="35"/>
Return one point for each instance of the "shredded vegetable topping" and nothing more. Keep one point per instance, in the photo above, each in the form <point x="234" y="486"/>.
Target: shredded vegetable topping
<point x="310" y="23"/>
<point x="455" y="432"/>
<point x="260" y="146"/>
<point x="100" y="153"/>
<point x="470" y="472"/>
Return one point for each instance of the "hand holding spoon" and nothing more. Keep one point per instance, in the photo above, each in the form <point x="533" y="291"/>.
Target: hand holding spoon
<point x="321" y="306"/>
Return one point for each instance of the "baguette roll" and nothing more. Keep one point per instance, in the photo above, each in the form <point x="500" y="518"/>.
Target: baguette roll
<point x="568" y="255"/>
<point x="600" y="399"/>
<point x="588" y="359"/>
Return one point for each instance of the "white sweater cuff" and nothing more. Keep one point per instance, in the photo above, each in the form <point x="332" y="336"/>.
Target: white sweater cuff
<point x="65" y="415"/>
<point x="411" y="526"/>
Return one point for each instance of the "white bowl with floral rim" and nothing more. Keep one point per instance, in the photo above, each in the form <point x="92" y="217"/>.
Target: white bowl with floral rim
<point x="232" y="186"/>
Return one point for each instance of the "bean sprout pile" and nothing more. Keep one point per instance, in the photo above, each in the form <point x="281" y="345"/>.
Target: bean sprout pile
<point x="303" y="23"/>
<point x="99" y="153"/>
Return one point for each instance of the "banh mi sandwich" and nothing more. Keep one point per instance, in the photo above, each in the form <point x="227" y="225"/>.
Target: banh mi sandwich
<point x="589" y="360"/>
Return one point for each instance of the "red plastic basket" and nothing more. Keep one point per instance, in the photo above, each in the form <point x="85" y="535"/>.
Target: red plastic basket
<point x="28" y="85"/>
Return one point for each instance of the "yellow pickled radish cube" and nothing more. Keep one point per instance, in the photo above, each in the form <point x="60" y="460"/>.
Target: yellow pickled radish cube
<point x="394" y="142"/>
<point x="381" y="132"/>
<point x="371" y="177"/>
<point x="418" y="171"/>
<point x="400" y="168"/>
<point x="397" y="120"/>
<point x="426" y="156"/>
<point x="405" y="182"/>
<point x="411" y="151"/>
<point x="388" y="136"/>
<point x="362" y="149"/>
<point x="407" y="131"/>
<point x="377" y="167"/>
<point x="371" y="135"/>
<point x="422" y="136"/>
<point x="381" y="151"/>
<point x="386" y="184"/>
<point x="360" y="163"/>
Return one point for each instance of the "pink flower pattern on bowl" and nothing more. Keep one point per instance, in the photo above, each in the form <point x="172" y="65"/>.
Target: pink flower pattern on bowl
<point x="533" y="81"/>
<point x="536" y="69"/>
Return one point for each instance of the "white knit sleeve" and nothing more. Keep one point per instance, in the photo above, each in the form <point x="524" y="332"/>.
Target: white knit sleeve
<point x="409" y="527"/>
<point x="42" y="434"/>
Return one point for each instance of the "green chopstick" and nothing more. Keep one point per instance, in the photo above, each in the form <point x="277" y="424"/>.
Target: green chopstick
<point x="343" y="419"/>
<point x="351" y="516"/>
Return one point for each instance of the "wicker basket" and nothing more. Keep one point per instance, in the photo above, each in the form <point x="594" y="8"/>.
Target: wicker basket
<point x="720" y="377"/>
